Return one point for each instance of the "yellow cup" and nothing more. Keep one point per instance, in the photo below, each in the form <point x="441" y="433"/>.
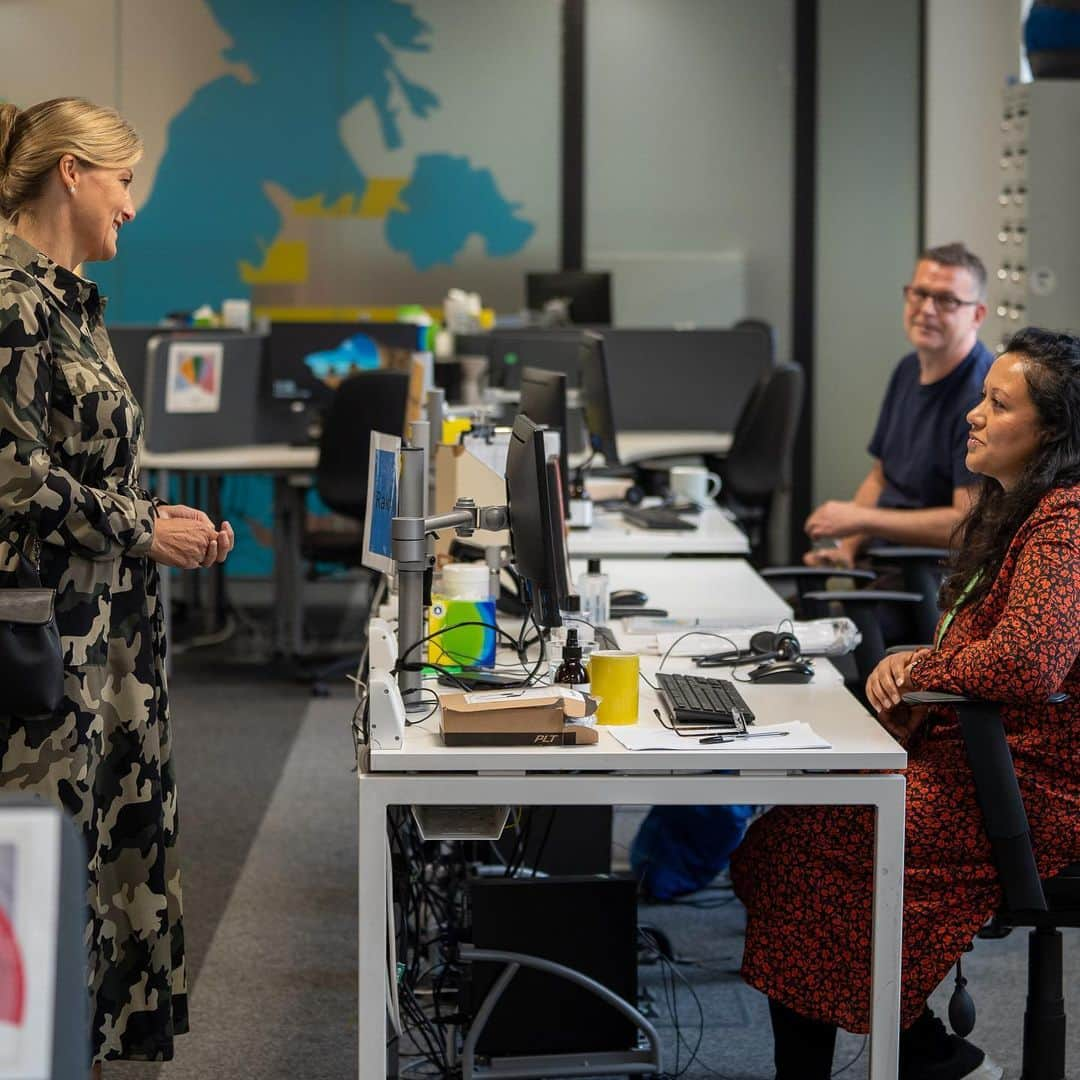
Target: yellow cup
<point x="613" y="677"/>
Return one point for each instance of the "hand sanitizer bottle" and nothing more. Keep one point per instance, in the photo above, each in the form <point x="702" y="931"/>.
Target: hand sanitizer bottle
<point x="593" y="588"/>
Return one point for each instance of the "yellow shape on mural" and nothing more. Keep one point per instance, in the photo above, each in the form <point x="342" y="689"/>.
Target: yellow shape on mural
<point x="381" y="196"/>
<point x="286" y="263"/>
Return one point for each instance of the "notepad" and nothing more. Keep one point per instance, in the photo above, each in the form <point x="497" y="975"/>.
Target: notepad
<point x="799" y="736"/>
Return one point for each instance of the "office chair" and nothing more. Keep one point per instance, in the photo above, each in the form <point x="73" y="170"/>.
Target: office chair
<point x="758" y="465"/>
<point x="1043" y="905"/>
<point x="763" y="327"/>
<point x="920" y="570"/>
<point x="365" y="402"/>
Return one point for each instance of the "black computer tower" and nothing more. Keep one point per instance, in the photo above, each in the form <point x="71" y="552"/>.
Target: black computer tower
<point x="586" y="923"/>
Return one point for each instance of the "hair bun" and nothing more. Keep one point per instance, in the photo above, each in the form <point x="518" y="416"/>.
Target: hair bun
<point x="8" y="115"/>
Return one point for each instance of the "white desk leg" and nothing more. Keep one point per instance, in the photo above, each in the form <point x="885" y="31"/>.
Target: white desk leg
<point x="372" y="936"/>
<point x="161" y="489"/>
<point x="887" y="927"/>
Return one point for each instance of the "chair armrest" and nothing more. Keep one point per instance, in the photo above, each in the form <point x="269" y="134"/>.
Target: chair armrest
<point x="914" y="647"/>
<point x="902" y="554"/>
<point x="998" y="794"/>
<point x="816" y="573"/>
<point x="863" y="597"/>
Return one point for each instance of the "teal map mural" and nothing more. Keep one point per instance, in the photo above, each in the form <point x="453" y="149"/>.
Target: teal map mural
<point x="208" y="229"/>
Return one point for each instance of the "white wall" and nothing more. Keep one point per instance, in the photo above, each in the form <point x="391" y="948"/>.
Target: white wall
<point x="689" y="135"/>
<point x="973" y="50"/>
<point x="866" y="228"/>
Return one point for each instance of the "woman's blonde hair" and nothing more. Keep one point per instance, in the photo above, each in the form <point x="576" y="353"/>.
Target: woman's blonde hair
<point x="33" y="140"/>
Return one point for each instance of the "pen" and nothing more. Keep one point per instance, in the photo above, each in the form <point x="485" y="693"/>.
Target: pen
<point x="712" y="739"/>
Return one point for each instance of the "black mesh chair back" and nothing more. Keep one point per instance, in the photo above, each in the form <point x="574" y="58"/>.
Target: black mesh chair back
<point x="759" y="461"/>
<point x="365" y="402"/>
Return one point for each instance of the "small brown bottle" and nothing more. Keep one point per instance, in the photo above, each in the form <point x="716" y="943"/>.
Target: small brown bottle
<point x="571" y="671"/>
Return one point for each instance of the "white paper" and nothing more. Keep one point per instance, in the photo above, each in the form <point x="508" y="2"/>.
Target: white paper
<point x="799" y="736"/>
<point x="193" y="379"/>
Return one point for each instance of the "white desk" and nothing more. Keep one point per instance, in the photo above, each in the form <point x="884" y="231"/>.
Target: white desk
<point x="291" y="468"/>
<point x="727" y="590"/>
<point x="611" y="535"/>
<point x="852" y="772"/>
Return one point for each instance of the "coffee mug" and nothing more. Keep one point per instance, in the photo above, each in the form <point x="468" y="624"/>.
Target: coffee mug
<point x="613" y="678"/>
<point x="694" y="483"/>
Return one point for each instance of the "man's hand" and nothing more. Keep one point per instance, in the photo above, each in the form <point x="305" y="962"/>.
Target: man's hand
<point x="842" y="557"/>
<point x="834" y="519"/>
<point x="891" y="679"/>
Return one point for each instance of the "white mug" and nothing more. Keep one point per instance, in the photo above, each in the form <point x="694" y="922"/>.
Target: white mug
<point x="694" y="483"/>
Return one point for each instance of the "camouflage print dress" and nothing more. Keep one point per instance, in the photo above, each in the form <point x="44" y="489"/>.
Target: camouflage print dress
<point x="70" y="436"/>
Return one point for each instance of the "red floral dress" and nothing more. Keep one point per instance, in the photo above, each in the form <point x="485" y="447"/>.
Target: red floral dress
<point x="804" y="873"/>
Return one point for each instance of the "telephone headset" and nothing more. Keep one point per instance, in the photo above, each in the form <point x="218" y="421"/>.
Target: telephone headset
<point x="777" y="654"/>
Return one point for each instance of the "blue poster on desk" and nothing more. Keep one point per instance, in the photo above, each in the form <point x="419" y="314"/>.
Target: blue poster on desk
<point x="382" y="492"/>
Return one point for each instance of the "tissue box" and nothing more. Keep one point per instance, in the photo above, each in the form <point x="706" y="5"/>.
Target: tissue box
<point x="541" y="716"/>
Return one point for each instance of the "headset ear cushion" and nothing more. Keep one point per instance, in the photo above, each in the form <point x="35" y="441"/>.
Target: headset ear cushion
<point x="764" y="641"/>
<point x="634" y="494"/>
<point x="787" y="647"/>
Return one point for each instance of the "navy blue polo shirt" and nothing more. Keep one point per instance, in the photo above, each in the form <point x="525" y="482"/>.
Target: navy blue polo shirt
<point x="921" y="434"/>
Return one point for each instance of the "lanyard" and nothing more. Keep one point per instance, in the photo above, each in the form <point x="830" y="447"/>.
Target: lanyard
<point x="951" y="613"/>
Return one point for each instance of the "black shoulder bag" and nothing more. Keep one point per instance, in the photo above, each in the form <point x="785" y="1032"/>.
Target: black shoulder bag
<point x="31" y="660"/>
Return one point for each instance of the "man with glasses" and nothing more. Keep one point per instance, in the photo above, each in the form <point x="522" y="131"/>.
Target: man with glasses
<point x="919" y="488"/>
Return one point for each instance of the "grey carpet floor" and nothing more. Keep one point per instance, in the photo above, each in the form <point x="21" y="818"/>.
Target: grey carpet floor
<point x="268" y="804"/>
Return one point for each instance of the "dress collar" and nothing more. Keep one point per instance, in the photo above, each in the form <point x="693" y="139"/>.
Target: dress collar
<point x="78" y="295"/>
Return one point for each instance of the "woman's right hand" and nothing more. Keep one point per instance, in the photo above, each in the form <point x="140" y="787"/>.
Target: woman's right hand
<point x="183" y="542"/>
<point x="891" y="679"/>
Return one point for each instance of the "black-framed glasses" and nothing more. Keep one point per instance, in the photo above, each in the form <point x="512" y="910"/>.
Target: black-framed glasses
<point x="944" y="302"/>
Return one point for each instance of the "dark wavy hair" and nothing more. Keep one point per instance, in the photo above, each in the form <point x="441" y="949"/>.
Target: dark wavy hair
<point x="1052" y="369"/>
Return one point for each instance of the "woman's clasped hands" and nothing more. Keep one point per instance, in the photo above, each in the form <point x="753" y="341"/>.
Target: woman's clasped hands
<point x="885" y="689"/>
<point x="187" y="539"/>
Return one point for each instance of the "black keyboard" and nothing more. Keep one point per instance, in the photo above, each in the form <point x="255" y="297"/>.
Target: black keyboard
<point x="658" y="517"/>
<point x="691" y="699"/>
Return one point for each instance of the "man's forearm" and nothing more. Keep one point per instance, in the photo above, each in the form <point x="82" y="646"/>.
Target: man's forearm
<point x="866" y="494"/>
<point x="931" y="527"/>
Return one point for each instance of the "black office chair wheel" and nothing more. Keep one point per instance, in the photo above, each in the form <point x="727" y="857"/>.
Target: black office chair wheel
<point x="320" y="689"/>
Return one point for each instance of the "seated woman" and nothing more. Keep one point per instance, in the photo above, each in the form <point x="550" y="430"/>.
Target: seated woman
<point x="1010" y="633"/>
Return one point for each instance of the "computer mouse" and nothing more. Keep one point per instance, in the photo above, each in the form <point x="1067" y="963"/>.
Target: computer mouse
<point x="628" y="598"/>
<point x="783" y="671"/>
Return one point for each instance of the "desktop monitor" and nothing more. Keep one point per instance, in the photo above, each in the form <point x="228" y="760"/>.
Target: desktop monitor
<point x="550" y="350"/>
<point x="587" y="292"/>
<point x="291" y="343"/>
<point x="384" y="470"/>
<point x="543" y="401"/>
<point x="596" y="394"/>
<point x="682" y="380"/>
<point x="537" y="524"/>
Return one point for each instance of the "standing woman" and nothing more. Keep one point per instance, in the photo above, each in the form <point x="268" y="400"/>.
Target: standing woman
<point x="1010" y="634"/>
<point x="71" y="501"/>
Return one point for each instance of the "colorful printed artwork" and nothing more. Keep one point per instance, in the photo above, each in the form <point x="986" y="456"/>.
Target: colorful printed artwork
<point x="194" y="377"/>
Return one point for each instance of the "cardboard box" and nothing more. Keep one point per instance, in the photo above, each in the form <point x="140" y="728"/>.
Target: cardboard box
<point x="539" y="716"/>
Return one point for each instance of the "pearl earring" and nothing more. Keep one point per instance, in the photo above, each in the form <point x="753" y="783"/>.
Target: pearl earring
<point x="71" y="188"/>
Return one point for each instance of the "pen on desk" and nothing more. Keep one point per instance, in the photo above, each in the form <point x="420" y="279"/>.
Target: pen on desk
<point x="712" y="739"/>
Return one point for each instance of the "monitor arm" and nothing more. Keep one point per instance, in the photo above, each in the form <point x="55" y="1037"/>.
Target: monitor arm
<point x="413" y="557"/>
